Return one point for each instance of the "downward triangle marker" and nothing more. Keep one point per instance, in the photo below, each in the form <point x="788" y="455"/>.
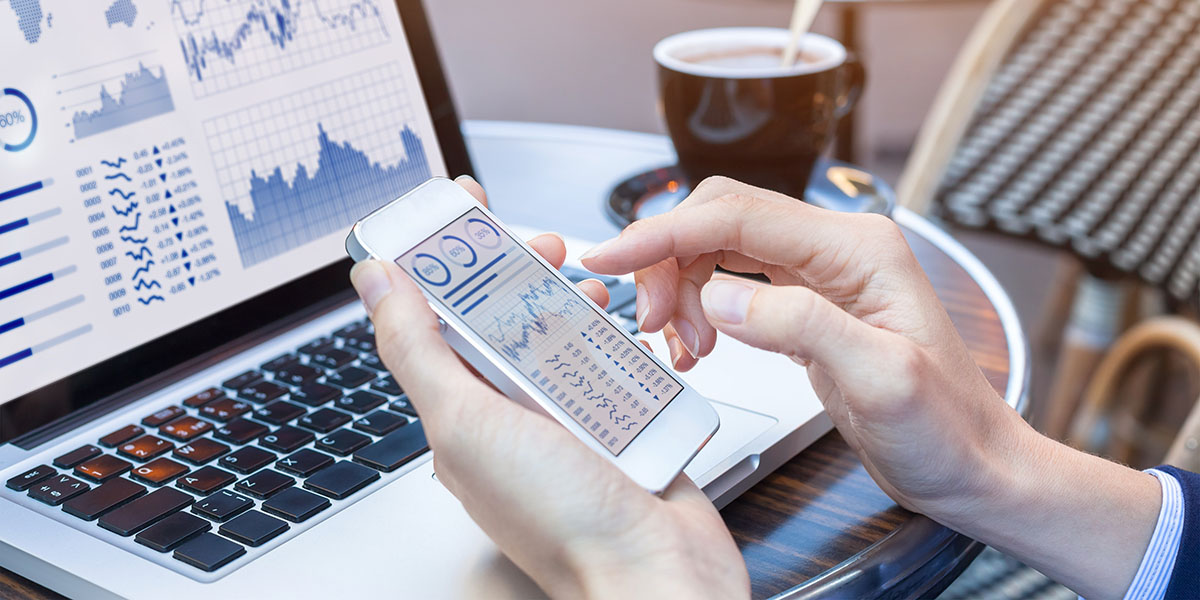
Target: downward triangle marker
<point x="159" y="161"/>
<point x="607" y="356"/>
<point x="156" y="149"/>
<point x="187" y="265"/>
<point x="185" y="254"/>
<point x="163" y="176"/>
<point x="172" y="206"/>
<point x="179" y="236"/>
<point x="175" y="221"/>
<point x="168" y="195"/>
<point x="192" y="281"/>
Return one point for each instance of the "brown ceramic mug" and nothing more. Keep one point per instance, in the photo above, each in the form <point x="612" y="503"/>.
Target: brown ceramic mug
<point x="732" y="109"/>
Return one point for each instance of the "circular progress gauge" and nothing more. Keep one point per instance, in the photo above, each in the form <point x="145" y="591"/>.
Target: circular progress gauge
<point x="18" y="120"/>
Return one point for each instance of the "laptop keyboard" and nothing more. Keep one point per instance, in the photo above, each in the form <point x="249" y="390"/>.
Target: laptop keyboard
<point x="236" y="465"/>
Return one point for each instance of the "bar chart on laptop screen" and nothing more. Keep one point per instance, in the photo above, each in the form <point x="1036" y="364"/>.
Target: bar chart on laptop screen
<point x="231" y="43"/>
<point x="298" y="168"/>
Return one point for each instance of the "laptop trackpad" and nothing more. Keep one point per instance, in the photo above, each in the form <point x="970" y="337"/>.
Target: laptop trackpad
<point x="738" y="428"/>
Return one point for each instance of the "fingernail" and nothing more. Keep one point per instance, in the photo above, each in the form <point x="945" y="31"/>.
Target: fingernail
<point x="464" y="177"/>
<point x="643" y="305"/>
<point x="688" y="337"/>
<point x="728" y="301"/>
<point x="371" y="282"/>
<point x="676" y="352"/>
<point x="598" y="249"/>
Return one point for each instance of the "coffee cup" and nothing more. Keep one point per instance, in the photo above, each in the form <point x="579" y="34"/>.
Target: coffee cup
<point x="731" y="107"/>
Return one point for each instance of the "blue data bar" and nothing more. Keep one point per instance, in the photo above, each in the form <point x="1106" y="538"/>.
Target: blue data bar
<point x="28" y="285"/>
<point x="12" y="358"/>
<point x="7" y="227"/>
<point x="21" y="191"/>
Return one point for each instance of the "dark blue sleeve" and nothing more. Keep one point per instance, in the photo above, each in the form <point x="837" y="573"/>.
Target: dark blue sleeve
<point x="1185" y="578"/>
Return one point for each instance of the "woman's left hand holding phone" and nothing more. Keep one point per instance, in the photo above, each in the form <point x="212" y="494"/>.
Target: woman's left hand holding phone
<point x="568" y="518"/>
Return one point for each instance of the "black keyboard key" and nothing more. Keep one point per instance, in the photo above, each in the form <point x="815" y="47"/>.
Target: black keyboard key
<point x="102" y="468"/>
<point x="280" y="362"/>
<point x="279" y="412"/>
<point x="363" y="342"/>
<point x="404" y="407"/>
<point x="316" y="394"/>
<point x="113" y="493"/>
<point x="172" y="531"/>
<point x="26" y="480"/>
<point x="247" y="460"/>
<point x="388" y="386"/>
<point x="240" y="431"/>
<point x="576" y="275"/>
<point x="342" y="442"/>
<point x="225" y="409"/>
<point x="58" y="489"/>
<point x="264" y="484"/>
<point x="208" y="552"/>
<point x="324" y="420"/>
<point x="202" y="398"/>
<point x="205" y="480"/>
<point x="341" y="479"/>
<point x="200" y="451"/>
<point x="77" y="456"/>
<point x="121" y="436"/>
<point x="222" y="505"/>
<point x="372" y="361"/>
<point x="620" y="295"/>
<point x="286" y="439"/>
<point x="350" y="377"/>
<point x="145" y="448"/>
<point x="394" y="449"/>
<point x="304" y="462"/>
<point x="165" y="415"/>
<point x="295" y="504"/>
<point x="158" y="471"/>
<point x="332" y="358"/>
<point x="315" y="346"/>
<point x="355" y="328"/>
<point x="186" y="428"/>
<point x="242" y="380"/>
<point x="380" y="423"/>
<point x="253" y="528"/>
<point x="145" y="511"/>
<point x="360" y="402"/>
<point x="261" y="392"/>
<point x="298" y="374"/>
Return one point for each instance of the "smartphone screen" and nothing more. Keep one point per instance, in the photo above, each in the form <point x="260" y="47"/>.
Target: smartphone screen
<point x="601" y="379"/>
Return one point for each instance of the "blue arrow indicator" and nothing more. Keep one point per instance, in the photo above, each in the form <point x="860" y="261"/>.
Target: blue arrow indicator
<point x="159" y="161"/>
<point x="187" y="265"/>
<point x="185" y="254"/>
<point x="156" y="149"/>
<point x="175" y="221"/>
<point x="163" y="176"/>
<point x="169" y="197"/>
<point x="172" y="206"/>
<point x="192" y="281"/>
<point x="179" y="236"/>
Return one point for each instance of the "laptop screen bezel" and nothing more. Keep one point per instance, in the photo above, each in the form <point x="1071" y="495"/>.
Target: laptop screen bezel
<point x="26" y="420"/>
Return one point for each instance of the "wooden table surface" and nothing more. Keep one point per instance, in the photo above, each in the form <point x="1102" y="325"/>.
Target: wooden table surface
<point x="821" y="509"/>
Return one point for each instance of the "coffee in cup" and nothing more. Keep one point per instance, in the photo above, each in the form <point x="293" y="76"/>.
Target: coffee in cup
<point x="732" y="109"/>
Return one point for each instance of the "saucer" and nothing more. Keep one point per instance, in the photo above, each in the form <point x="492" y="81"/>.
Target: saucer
<point x="834" y="185"/>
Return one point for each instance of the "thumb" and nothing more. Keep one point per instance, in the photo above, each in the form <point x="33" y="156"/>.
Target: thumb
<point x="794" y="321"/>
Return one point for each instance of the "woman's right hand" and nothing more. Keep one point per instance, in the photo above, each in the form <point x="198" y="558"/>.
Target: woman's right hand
<point x="848" y="300"/>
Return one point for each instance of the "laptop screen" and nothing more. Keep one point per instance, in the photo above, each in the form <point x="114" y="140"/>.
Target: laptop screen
<point x="161" y="162"/>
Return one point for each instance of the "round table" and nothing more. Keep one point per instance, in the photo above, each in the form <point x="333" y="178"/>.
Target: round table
<point x="818" y="527"/>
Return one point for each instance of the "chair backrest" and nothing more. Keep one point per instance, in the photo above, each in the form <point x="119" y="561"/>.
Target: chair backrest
<point x="1077" y="123"/>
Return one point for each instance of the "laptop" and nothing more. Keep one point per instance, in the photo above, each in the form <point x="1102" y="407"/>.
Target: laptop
<point x="190" y="399"/>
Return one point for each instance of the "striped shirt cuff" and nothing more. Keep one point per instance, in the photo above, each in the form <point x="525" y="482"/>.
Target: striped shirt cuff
<point x="1154" y="574"/>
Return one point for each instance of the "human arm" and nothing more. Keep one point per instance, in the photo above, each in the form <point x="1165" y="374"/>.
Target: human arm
<point x="566" y="516"/>
<point x="850" y="301"/>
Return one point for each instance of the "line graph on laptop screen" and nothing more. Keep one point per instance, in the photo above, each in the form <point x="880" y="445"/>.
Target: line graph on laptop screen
<point x="603" y="381"/>
<point x="185" y="156"/>
<point x="230" y="43"/>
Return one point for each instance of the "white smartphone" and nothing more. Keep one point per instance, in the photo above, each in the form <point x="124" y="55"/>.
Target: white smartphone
<point x="535" y="336"/>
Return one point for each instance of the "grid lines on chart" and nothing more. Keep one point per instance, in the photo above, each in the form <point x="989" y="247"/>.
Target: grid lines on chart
<point x="368" y="109"/>
<point x="230" y="43"/>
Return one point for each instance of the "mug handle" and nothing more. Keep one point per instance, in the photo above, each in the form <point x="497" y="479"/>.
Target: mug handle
<point x="856" y="78"/>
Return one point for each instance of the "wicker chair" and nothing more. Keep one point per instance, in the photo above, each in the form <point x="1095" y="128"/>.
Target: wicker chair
<point x="1076" y="124"/>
